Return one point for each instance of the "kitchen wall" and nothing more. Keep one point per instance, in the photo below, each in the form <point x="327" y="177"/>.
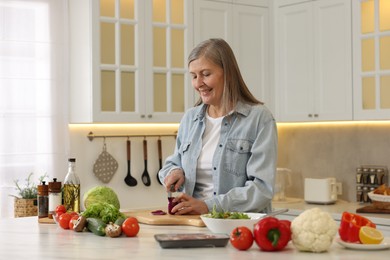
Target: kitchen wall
<point x="87" y="152"/>
<point x="315" y="150"/>
<point x="319" y="150"/>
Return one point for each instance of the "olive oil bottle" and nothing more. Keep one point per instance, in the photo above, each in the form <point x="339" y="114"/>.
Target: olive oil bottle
<point x="71" y="191"/>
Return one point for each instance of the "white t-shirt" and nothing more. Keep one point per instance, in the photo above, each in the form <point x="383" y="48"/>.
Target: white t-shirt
<point x="204" y="176"/>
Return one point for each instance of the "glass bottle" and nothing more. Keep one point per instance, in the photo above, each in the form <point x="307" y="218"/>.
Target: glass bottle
<point x="43" y="200"/>
<point x="55" y="196"/>
<point x="71" y="193"/>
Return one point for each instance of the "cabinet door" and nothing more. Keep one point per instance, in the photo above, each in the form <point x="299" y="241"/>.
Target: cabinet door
<point x="117" y="61"/>
<point x="371" y="52"/>
<point x="168" y="40"/>
<point x="295" y="73"/>
<point x="245" y="28"/>
<point x="333" y="60"/>
<point x="212" y="20"/>
<point x="250" y="42"/>
<point x="314" y="75"/>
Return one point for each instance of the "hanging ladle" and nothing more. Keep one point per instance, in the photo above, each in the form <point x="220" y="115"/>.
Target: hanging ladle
<point x="145" y="174"/>
<point x="129" y="180"/>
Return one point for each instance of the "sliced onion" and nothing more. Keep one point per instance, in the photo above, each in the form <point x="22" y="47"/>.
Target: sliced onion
<point x="159" y="212"/>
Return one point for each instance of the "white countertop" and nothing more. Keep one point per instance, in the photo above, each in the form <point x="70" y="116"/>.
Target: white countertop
<point x="25" y="237"/>
<point x="296" y="206"/>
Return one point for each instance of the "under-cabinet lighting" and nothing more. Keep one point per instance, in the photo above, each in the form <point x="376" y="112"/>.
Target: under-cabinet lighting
<point x="384" y="123"/>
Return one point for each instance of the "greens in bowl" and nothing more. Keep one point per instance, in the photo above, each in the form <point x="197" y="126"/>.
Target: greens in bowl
<point x="226" y="222"/>
<point x="226" y="215"/>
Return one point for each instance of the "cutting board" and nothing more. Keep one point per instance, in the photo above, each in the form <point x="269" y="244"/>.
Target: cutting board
<point x="371" y="209"/>
<point x="46" y="220"/>
<point x="146" y="217"/>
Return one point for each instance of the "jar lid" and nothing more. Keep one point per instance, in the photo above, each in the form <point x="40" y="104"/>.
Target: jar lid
<point x="55" y="186"/>
<point x="43" y="189"/>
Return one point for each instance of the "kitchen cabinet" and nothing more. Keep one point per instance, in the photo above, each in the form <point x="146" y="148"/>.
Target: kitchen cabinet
<point x="128" y="60"/>
<point x="313" y="72"/>
<point x="245" y="26"/>
<point x="371" y="52"/>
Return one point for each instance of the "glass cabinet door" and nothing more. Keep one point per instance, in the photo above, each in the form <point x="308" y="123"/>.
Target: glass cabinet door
<point x="118" y="62"/>
<point x="372" y="52"/>
<point x="139" y="60"/>
<point x="167" y="70"/>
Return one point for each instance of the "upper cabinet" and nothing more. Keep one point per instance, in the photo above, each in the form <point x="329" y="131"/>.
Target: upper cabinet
<point x="313" y="74"/>
<point x="128" y="60"/>
<point x="308" y="60"/>
<point x="371" y="54"/>
<point x="244" y="24"/>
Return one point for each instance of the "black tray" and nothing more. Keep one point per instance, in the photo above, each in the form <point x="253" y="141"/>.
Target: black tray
<point x="191" y="240"/>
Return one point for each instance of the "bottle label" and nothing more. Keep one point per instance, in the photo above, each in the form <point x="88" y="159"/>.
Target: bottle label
<point x="55" y="199"/>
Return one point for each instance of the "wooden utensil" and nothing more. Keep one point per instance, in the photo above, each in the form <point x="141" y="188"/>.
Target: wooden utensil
<point x="145" y="174"/>
<point x="159" y="158"/>
<point x="129" y="180"/>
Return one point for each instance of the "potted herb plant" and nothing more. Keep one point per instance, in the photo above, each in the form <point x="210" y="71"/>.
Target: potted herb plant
<point x="26" y="203"/>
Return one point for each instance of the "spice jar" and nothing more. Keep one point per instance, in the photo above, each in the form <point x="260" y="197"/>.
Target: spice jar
<point x="55" y="196"/>
<point x="43" y="200"/>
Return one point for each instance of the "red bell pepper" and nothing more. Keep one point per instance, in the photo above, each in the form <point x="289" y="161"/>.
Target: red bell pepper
<point x="350" y="225"/>
<point x="272" y="234"/>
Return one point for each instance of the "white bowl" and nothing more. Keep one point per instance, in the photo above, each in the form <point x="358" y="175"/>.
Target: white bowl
<point x="226" y="226"/>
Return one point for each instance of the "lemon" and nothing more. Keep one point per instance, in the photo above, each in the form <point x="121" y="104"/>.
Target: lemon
<point x="370" y="235"/>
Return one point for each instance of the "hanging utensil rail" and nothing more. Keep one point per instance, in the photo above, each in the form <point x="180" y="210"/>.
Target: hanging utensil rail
<point x="92" y="136"/>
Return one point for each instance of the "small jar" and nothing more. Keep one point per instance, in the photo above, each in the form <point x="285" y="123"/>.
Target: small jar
<point x="43" y="200"/>
<point x="55" y="196"/>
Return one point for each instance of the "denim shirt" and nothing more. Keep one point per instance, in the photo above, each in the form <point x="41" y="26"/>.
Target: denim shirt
<point x="244" y="162"/>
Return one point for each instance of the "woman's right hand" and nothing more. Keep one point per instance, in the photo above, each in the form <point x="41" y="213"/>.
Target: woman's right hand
<point x="175" y="177"/>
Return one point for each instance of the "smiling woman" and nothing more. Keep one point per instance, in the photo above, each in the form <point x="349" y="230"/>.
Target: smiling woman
<point x="33" y="86"/>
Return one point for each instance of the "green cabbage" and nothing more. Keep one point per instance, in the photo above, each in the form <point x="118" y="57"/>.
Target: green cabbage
<point x="101" y="194"/>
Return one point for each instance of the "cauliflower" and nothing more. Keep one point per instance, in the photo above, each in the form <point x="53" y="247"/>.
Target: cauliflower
<point x="313" y="230"/>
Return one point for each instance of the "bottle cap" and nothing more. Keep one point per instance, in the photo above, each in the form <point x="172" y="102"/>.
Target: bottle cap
<point x="72" y="159"/>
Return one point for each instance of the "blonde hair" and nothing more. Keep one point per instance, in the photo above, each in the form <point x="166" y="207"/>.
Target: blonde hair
<point x="219" y="52"/>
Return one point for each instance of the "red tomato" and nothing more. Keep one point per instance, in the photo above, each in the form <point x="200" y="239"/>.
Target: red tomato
<point x="241" y="238"/>
<point x="60" y="209"/>
<point x="73" y="213"/>
<point x="130" y="227"/>
<point x="73" y="219"/>
<point x="64" y="219"/>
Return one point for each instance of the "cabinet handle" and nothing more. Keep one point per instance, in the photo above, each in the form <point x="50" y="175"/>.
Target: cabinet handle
<point x="149" y="116"/>
<point x="142" y="116"/>
<point x="310" y="115"/>
<point x="315" y="115"/>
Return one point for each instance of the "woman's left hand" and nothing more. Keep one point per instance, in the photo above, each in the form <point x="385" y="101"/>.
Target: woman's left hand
<point x="189" y="206"/>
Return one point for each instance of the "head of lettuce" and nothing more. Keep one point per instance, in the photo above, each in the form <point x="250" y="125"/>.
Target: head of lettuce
<point x="101" y="194"/>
